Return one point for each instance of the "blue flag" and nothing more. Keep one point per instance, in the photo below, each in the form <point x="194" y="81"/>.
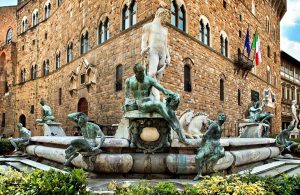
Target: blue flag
<point x="247" y="43"/>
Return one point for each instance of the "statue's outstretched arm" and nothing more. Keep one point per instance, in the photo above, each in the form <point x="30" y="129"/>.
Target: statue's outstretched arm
<point x="159" y="87"/>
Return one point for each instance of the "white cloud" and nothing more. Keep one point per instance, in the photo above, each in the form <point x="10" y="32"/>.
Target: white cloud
<point x="290" y="47"/>
<point x="292" y="16"/>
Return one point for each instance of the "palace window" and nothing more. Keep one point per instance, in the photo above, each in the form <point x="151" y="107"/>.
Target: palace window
<point x="187" y="78"/>
<point x="129" y="15"/>
<point x="268" y="75"/>
<point x="69" y="52"/>
<point x="222" y="95"/>
<point x="57" y="60"/>
<point x="34" y="70"/>
<point x="35" y="17"/>
<point x="224" y="4"/>
<point x="267" y="24"/>
<point x="23" y="76"/>
<point x="119" y="78"/>
<point x="103" y="31"/>
<point x="9" y="36"/>
<point x="45" y="68"/>
<point x="204" y="33"/>
<point x="59" y="96"/>
<point x="47" y="8"/>
<point x="84" y="43"/>
<point x="269" y="51"/>
<point x="239" y="97"/>
<point x="58" y="2"/>
<point x="178" y="16"/>
<point x="24" y="24"/>
<point x="3" y="120"/>
<point x="224" y="45"/>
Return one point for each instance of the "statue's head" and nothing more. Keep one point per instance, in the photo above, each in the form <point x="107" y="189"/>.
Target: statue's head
<point x="294" y="102"/>
<point x="221" y="117"/>
<point x="139" y="72"/>
<point x="82" y="119"/>
<point x="162" y="13"/>
<point x="19" y="125"/>
<point x="172" y="101"/>
<point x="42" y="102"/>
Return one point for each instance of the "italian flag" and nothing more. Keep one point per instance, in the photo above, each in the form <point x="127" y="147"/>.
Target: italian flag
<point x="256" y="45"/>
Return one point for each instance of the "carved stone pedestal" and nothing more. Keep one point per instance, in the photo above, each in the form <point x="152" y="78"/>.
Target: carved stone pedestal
<point x="149" y="132"/>
<point x="253" y="130"/>
<point x="52" y="129"/>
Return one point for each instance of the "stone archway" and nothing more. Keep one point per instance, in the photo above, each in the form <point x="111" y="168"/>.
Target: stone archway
<point x="83" y="106"/>
<point x="22" y="119"/>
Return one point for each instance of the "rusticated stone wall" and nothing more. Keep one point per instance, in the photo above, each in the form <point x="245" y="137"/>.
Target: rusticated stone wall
<point x="69" y="20"/>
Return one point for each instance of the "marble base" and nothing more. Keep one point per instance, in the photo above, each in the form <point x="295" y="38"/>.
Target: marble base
<point x="118" y="157"/>
<point x="53" y="129"/>
<point x="252" y="130"/>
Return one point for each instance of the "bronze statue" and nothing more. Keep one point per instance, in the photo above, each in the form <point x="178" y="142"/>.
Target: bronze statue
<point x="88" y="144"/>
<point x="139" y="86"/>
<point x="257" y="114"/>
<point x="210" y="150"/>
<point x="283" y="139"/>
<point x="23" y="140"/>
<point x="47" y="113"/>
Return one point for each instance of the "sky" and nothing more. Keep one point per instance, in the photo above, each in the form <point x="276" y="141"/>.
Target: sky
<point x="289" y="27"/>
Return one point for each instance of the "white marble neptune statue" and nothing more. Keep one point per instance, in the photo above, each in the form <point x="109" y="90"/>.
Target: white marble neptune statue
<point x="155" y="46"/>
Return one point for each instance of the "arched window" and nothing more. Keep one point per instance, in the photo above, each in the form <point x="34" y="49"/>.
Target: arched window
<point x="34" y="71"/>
<point x="119" y="78"/>
<point x="58" y="3"/>
<point x="269" y="51"/>
<point x="47" y="8"/>
<point x="45" y="68"/>
<point x="222" y="94"/>
<point x="206" y="34"/>
<point x="224" y="45"/>
<point x="69" y="52"/>
<point x="268" y="75"/>
<point x="84" y="45"/>
<point x="239" y="97"/>
<point x="253" y="7"/>
<point x="57" y="60"/>
<point x="275" y="57"/>
<point x="201" y="31"/>
<point x="129" y="15"/>
<point x="23" y="76"/>
<point x="9" y="36"/>
<point x="83" y="106"/>
<point x="103" y="31"/>
<point x="22" y="119"/>
<point x="35" y="17"/>
<point x="178" y="16"/>
<point x="267" y="24"/>
<point x="24" y="24"/>
<point x="187" y="78"/>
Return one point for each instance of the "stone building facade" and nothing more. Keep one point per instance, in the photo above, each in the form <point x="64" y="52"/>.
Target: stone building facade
<point x="8" y="62"/>
<point x="290" y="84"/>
<point x="77" y="55"/>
